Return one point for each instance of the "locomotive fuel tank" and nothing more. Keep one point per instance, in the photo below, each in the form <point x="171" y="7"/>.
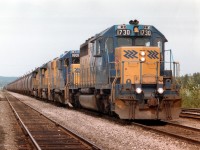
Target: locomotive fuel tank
<point x="88" y="101"/>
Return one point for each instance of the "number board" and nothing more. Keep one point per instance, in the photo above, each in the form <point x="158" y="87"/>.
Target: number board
<point x="123" y="32"/>
<point x="145" y="32"/>
<point x="75" y="55"/>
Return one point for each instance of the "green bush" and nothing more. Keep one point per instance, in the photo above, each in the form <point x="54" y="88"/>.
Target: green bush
<point x="190" y="90"/>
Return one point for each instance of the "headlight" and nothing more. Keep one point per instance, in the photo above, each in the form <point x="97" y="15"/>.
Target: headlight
<point x="138" y="90"/>
<point x="160" y="90"/>
<point x="142" y="53"/>
<point x="142" y="59"/>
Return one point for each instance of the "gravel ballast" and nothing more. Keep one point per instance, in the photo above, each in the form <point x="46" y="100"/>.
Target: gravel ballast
<point x="104" y="133"/>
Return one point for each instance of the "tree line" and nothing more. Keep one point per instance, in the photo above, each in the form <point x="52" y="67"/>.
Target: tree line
<point x="5" y="80"/>
<point x="190" y="90"/>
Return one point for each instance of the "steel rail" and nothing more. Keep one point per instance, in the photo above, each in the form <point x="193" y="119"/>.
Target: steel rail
<point x="193" y="113"/>
<point x="190" y="109"/>
<point x="95" y="147"/>
<point x="164" y="132"/>
<point x="86" y="141"/>
<point x="24" y="126"/>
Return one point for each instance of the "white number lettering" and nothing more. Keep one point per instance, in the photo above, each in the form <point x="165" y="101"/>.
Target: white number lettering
<point x="145" y="32"/>
<point x="141" y="32"/>
<point x="149" y="33"/>
<point x="75" y="55"/>
<point x="123" y="32"/>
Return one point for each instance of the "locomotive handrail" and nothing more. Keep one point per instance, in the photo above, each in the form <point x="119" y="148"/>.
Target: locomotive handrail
<point x="176" y="68"/>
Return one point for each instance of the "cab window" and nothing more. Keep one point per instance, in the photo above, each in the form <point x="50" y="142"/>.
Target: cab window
<point x="158" y="43"/>
<point x="96" y="48"/>
<point x="142" y="42"/>
<point x="66" y="61"/>
<point x="124" y="42"/>
<point x="109" y="45"/>
<point x="75" y="60"/>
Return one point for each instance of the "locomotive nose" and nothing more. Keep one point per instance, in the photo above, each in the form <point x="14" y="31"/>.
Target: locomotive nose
<point x="138" y="64"/>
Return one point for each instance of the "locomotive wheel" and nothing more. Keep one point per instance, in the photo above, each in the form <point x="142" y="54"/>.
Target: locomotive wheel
<point x="76" y="102"/>
<point x="103" y="105"/>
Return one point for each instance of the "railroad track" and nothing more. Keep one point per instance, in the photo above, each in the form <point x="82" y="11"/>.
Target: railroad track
<point x="189" y="134"/>
<point x="190" y="113"/>
<point x="185" y="133"/>
<point x="44" y="132"/>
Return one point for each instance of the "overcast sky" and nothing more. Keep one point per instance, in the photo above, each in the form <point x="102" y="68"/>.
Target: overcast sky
<point x="33" y="32"/>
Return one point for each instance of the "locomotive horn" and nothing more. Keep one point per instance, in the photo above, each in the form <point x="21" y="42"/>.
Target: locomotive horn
<point x="131" y="22"/>
<point x="135" y="22"/>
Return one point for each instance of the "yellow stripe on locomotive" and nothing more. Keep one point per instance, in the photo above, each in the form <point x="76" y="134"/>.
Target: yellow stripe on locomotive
<point x="75" y="74"/>
<point x="138" y="64"/>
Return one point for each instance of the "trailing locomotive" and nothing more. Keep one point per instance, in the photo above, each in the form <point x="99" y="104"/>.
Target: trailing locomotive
<point x="119" y="71"/>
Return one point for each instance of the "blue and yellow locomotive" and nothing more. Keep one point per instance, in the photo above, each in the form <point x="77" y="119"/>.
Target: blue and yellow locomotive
<point x="119" y="71"/>
<point x="122" y="72"/>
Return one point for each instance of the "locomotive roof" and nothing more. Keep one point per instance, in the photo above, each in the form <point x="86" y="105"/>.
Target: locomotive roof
<point x="111" y="32"/>
<point x="68" y="53"/>
<point x="44" y="66"/>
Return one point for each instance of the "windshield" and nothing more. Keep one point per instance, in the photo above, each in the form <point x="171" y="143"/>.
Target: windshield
<point x="124" y="42"/>
<point x="133" y="41"/>
<point x="75" y="60"/>
<point x="142" y="42"/>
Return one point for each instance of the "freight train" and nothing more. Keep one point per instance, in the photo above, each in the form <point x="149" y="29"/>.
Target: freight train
<point x="119" y="71"/>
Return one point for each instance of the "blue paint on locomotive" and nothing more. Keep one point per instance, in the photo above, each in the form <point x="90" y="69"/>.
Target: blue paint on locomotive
<point x="67" y="56"/>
